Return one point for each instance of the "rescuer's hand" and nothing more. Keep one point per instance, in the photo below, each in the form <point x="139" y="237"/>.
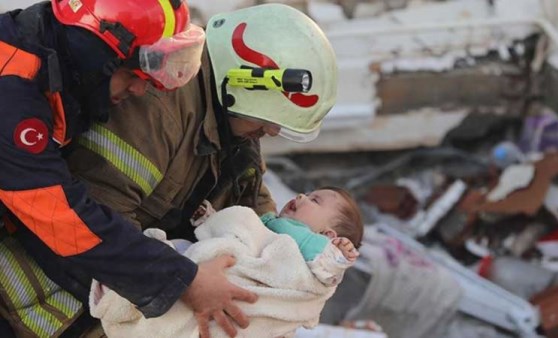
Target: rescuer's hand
<point x="211" y="296"/>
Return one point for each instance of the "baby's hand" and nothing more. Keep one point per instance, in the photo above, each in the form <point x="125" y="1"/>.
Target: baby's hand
<point x="202" y="213"/>
<point x="347" y="248"/>
<point x="199" y="212"/>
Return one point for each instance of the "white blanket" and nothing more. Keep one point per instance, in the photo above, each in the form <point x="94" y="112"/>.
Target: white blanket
<point x="268" y="264"/>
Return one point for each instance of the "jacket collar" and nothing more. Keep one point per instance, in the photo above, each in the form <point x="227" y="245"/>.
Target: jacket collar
<point x="207" y="139"/>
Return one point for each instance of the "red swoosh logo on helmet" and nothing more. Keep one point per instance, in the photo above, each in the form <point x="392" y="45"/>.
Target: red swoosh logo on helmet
<point x="264" y="61"/>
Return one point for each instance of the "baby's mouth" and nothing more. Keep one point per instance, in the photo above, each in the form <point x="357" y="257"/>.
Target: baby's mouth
<point x="292" y="205"/>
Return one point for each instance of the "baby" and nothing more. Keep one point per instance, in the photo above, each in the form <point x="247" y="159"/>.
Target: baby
<point x="326" y="225"/>
<point x="293" y="264"/>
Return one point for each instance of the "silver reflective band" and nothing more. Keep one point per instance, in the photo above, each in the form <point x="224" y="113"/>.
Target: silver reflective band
<point x="33" y="302"/>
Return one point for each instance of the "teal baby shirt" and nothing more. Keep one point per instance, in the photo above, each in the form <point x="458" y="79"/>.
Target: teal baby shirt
<point x="310" y="243"/>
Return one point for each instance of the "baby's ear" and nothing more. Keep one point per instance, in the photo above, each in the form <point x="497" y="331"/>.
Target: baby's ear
<point x="330" y="233"/>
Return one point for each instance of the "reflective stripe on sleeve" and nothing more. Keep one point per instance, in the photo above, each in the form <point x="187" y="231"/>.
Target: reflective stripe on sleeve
<point x="123" y="156"/>
<point x="36" y="301"/>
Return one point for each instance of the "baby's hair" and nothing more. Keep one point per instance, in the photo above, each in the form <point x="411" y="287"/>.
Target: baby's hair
<point x="349" y="223"/>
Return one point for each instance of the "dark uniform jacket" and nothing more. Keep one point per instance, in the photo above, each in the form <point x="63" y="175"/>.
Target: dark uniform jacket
<point x="71" y="236"/>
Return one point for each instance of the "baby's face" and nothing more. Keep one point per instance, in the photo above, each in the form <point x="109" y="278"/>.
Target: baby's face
<point x="317" y="209"/>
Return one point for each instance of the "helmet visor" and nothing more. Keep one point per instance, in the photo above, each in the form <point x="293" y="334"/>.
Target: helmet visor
<point x="171" y="62"/>
<point x="283" y="131"/>
<point x="297" y="136"/>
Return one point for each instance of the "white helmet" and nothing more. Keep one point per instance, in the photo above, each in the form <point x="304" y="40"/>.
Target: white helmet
<point x="263" y="47"/>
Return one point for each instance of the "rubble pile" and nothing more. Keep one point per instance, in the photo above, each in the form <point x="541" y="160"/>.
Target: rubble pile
<point x="487" y="214"/>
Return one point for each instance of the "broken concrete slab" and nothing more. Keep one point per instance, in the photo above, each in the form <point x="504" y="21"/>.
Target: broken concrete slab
<point x="529" y="200"/>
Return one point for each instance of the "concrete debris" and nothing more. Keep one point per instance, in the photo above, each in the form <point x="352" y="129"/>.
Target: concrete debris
<point x="323" y="331"/>
<point x="547" y="302"/>
<point x="392" y="199"/>
<point x="548" y="245"/>
<point x="513" y="178"/>
<point x="518" y="276"/>
<point x="530" y="199"/>
<point x="540" y="132"/>
<point x="407" y="294"/>
<point x="493" y="211"/>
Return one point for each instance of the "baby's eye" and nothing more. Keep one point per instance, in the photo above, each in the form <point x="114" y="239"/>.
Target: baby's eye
<point x="315" y="200"/>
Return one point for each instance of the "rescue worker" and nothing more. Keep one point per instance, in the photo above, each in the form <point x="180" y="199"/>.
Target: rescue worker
<point x="267" y="69"/>
<point x="62" y="65"/>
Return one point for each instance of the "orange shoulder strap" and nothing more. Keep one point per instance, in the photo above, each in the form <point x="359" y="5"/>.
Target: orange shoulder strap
<point x="59" y="132"/>
<point x="14" y="61"/>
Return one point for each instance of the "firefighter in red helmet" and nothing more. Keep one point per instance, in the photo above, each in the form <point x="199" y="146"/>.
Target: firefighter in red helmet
<point x="62" y="65"/>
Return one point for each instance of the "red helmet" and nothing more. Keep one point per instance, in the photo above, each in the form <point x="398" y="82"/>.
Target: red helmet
<point x="155" y="32"/>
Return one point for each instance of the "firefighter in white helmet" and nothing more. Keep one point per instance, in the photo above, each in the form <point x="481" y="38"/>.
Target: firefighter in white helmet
<point x="271" y="38"/>
<point x="266" y="69"/>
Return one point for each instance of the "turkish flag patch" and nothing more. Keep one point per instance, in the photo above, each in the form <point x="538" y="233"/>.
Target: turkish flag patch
<point x="31" y="135"/>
